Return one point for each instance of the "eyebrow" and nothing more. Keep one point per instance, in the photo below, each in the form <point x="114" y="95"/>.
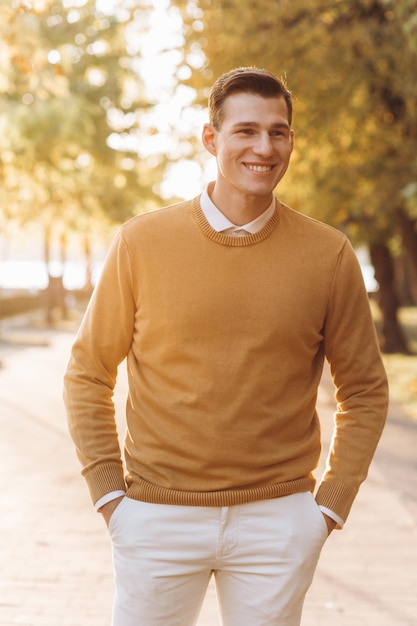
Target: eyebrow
<point x="256" y="125"/>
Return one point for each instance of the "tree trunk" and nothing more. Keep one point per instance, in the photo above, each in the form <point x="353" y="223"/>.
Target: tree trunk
<point x="47" y="258"/>
<point x="408" y="231"/>
<point x="392" y="337"/>
<point x="88" y="286"/>
<point x="54" y="293"/>
<point x="62" y="301"/>
<point x="403" y="280"/>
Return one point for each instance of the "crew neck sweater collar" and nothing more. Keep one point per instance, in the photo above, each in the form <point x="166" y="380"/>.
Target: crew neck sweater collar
<point x="233" y="241"/>
<point x="219" y="222"/>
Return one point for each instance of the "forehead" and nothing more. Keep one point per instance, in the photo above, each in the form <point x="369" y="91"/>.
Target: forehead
<point x="248" y="107"/>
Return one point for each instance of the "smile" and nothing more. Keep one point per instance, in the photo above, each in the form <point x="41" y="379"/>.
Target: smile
<point x="259" y="168"/>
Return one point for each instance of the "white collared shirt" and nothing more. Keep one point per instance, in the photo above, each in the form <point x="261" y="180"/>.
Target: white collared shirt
<point x="219" y="222"/>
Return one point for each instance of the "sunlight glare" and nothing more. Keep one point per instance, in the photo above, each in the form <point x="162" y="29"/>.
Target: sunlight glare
<point x="183" y="180"/>
<point x="167" y="127"/>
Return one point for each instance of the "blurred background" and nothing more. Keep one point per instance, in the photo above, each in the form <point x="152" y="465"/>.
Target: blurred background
<point x="101" y="108"/>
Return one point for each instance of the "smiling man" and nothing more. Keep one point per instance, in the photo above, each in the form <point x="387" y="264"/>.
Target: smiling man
<point x="225" y="307"/>
<point x="252" y="143"/>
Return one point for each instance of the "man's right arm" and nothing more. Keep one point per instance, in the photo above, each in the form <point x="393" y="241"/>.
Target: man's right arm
<point x="102" y="342"/>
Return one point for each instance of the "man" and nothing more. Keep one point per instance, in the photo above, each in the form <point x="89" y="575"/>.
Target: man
<point x="225" y="307"/>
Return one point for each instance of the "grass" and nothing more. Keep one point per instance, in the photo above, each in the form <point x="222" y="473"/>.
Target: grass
<point x="402" y="369"/>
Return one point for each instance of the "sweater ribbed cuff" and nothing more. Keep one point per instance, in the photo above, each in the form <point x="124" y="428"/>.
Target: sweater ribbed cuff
<point x="336" y="496"/>
<point x="104" y="478"/>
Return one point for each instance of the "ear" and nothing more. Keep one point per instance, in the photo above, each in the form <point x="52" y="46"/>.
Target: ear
<point x="209" y="139"/>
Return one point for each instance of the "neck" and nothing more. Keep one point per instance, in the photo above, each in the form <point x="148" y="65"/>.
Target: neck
<point x="239" y="208"/>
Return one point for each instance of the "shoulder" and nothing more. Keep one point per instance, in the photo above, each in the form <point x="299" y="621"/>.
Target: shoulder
<point x="166" y="219"/>
<point x="308" y="230"/>
<point x="307" y="223"/>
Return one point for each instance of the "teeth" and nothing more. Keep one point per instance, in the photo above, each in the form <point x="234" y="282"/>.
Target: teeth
<point x="260" y="168"/>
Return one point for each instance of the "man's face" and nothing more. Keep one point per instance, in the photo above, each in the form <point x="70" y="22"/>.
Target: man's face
<point x="253" y="146"/>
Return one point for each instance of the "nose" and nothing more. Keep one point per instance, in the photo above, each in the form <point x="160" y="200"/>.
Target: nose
<point x="263" y="145"/>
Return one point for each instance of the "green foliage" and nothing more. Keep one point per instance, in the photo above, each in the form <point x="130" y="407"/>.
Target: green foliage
<point x="68" y="87"/>
<point x="351" y="68"/>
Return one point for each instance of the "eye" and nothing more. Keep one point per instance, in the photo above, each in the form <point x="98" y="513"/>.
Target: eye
<point x="246" y="131"/>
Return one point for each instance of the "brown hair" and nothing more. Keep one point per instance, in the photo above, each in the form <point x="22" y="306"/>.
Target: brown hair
<point x="252" y="80"/>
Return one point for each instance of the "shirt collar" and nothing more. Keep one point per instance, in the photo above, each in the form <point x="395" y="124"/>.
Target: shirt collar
<point x="219" y="222"/>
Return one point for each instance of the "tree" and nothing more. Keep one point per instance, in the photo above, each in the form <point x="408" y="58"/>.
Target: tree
<point x="351" y="67"/>
<point x="72" y="103"/>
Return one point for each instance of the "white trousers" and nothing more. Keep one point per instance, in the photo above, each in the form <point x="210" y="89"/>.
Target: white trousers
<point x="263" y="556"/>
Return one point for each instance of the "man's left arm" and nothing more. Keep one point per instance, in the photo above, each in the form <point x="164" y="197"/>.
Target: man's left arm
<point x="361" y="388"/>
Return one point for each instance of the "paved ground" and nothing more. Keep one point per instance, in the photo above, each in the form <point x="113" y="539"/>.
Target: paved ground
<point x="55" y="567"/>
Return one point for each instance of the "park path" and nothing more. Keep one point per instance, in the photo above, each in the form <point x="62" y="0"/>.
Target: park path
<point x="55" y="567"/>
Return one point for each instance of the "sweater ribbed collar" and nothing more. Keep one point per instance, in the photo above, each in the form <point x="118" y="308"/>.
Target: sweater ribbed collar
<point x="227" y="240"/>
<point x="221" y="223"/>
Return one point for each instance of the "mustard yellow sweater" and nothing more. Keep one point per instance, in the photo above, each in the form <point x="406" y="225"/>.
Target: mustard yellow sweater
<point x="225" y="340"/>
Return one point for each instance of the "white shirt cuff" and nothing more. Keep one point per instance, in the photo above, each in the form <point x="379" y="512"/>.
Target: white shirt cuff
<point x="333" y="515"/>
<point x="108" y="498"/>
